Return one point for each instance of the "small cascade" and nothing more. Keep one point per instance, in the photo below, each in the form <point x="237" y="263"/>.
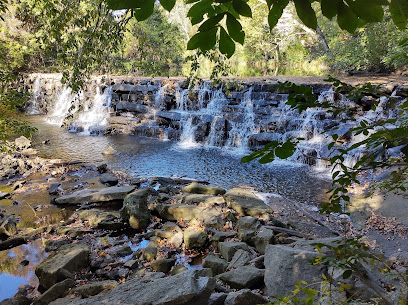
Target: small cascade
<point x="92" y="120"/>
<point x="64" y="105"/>
<point x="33" y="109"/>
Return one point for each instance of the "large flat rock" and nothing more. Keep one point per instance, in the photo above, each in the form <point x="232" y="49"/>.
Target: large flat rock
<point x="72" y="257"/>
<point x="191" y="287"/>
<point x="97" y="195"/>
<point x="246" y="203"/>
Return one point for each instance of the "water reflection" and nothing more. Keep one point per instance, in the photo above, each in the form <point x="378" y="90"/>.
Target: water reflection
<point x="13" y="273"/>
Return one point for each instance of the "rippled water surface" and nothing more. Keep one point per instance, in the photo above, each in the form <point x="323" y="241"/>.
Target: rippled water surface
<point x="145" y="157"/>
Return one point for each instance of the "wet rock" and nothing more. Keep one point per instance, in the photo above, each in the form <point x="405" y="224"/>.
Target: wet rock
<point x="135" y="210"/>
<point x="244" y="277"/>
<point x="240" y="259"/>
<point x="98" y="195"/>
<point x="263" y="238"/>
<point x="109" y="151"/>
<point x="56" y="189"/>
<point x="54" y="292"/>
<point x="103" y="168"/>
<point x="8" y="227"/>
<point x="109" y="179"/>
<point x="203" y="189"/>
<point x="92" y="289"/>
<point x="216" y="264"/>
<point x="4" y="195"/>
<point x="285" y="266"/>
<point x="72" y="257"/>
<point x="217" y="298"/>
<point x="228" y="249"/>
<point x="246" y="203"/>
<point x="244" y="297"/>
<point x="187" y="288"/>
<point x="150" y="252"/>
<point x="163" y="265"/>
<point x="22" y="143"/>
<point x="194" y="238"/>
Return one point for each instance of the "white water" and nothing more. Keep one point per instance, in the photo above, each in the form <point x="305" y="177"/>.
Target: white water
<point x="62" y="107"/>
<point x="95" y="116"/>
<point x="35" y="95"/>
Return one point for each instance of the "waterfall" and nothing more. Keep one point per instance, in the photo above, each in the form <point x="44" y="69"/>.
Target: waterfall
<point x="94" y="117"/>
<point x="32" y="109"/>
<point x="62" y="107"/>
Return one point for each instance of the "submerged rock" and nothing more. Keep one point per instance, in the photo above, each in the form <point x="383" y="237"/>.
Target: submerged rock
<point x="72" y="257"/>
<point x="109" y="151"/>
<point x="246" y="203"/>
<point x="99" y="195"/>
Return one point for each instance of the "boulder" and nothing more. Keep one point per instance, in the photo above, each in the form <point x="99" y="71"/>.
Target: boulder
<point x="72" y="257"/>
<point x="22" y="143"/>
<point x="240" y="259"/>
<point x="247" y="227"/>
<point x="246" y="203"/>
<point x="135" y="210"/>
<point x="109" y="179"/>
<point x="97" y="195"/>
<point x="194" y="238"/>
<point x="216" y="264"/>
<point x="198" y="188"/>
<point x="54" y="292"/>
<point x="220" y="236"/>
<point x="163" y="265"/>
<point x="177" y="212"/>
<point x="191" y="287"/>
<point x="217" y="298"/>
<point x="207" y="200"/>
<point x="228" y="249"/>
<point x="150" y="252"/>
<point x="244" y="277"/>
<point x="98" y="219"/>
<point x="285" y="266"/>
<point x="95" y="288"/>
<point x="244" y="297"/>
<point x="263" y="238"/>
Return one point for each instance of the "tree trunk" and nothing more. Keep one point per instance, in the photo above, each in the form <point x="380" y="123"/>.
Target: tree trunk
<point x="324" y="42"/>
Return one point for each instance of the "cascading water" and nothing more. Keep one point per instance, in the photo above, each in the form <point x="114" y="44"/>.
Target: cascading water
<point x="32" y="109"/>
<point x="93" y="119"/>
<point x="62" y="107"/>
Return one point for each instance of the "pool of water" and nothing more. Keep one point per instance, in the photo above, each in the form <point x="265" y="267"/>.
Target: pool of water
<point x="147" y="157"/>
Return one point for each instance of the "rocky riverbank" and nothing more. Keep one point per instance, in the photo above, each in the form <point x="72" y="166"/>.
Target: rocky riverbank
<point x="162" y="240"/>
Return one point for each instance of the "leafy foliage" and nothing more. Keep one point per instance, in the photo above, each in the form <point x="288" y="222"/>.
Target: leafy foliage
<point x="11" y="99"/>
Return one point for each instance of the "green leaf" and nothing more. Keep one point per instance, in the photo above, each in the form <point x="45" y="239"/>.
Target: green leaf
<point x="347" y="274"/>
<point x="329" y="8"/>
<point x="286" y="150"/>
<point x="145" y="11"/>
<point x="197" y="11"/>
<point x="399" y="13"/>
<point x="204" y="40"/>
<point x="367" y="10"/>
<point x="306" y="13"/>
<point x="168" y="4"/>
<point x="268" y="158"/>
<point x="346" y="18"/>
<point x="227" y="46"/>
<point x="235" y="29"/>
<point x="276" y="12"/>
<point x="210" y="23"/>
<point x="242" y="8"/>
